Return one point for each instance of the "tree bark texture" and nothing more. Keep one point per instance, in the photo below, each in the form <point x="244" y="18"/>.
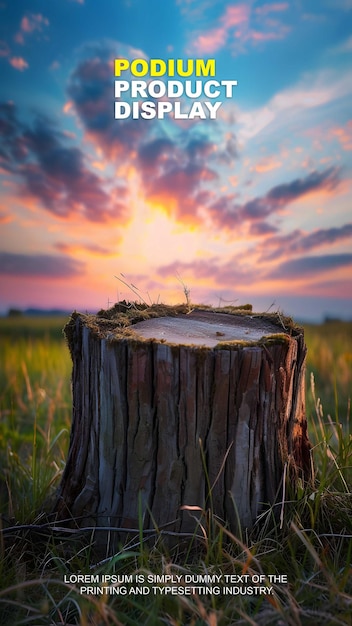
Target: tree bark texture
<point x="159" y="425"/>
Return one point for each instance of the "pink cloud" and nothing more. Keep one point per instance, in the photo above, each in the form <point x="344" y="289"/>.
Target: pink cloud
<point x="242" y="24"/>
<point x="19" y="63"/>
<point x="211" y="41"/>
<point x="215" y="38"/>
<point x="235" y="15"/>
<point x="31" y="23"/>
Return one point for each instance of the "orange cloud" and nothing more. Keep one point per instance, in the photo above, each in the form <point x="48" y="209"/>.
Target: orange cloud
<point x="67" y="106"/>
<point x="267" y="164"/>
<point x="87" y="249"/>
<point x="5" y="218"/>
<point x="99" y="165"/>
<point x="343" y="135"/>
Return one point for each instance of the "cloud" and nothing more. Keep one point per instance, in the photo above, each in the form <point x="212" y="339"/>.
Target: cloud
<point x="92" y="248"/>
<point x="90" y="90"/>
<point x="19" y="63"/>
<point x="156" y="153"/>
<point x="343" y="134"/>
<point x="201" y="148"/>
<point x="177" y="190"/>
<point x="323" y="236"/>
<point x="298" y="241"/>
<point x="31" y="23"/>
<point x="176" y="169"/>
<point x="12" y="148"/>
<point x="172" y="165"/>
<point x="235" y="18"/>
<point x="211" y="41"/>
<point x="261" y="229"/>
<point x="231" y="274"/>
<point x="5" y="217"/>
<point x="51" y="170"/>
<point x="238" y="274"/>
<point x="266" y="164"/>
<point x="239" y="26"/>
<point x="309" y="266"/>
<point x="227" y="214"/>
<point x="163" y="155"/>
<point x="174" y="173"/>
<point x="293" y="105"/>
<point x="39" y="265"/>
<point x="285" y="193"/>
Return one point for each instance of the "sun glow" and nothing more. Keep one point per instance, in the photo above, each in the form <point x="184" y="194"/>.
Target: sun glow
<point x="153" y="238"/>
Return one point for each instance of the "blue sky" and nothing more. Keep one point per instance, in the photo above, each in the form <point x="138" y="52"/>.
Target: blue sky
<point x="253" y="206"/>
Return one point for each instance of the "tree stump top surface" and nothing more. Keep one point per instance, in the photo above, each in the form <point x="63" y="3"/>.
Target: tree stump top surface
<point x="206" y="328"/>
<point x="201" y="326"/>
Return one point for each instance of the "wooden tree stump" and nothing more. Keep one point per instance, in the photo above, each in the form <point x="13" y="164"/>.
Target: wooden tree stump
<point x="168" y="402"/>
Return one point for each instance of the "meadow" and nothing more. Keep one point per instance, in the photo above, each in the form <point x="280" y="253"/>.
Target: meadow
<point x="311" y="544"/>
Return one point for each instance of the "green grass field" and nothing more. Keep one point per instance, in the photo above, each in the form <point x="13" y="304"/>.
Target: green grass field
<point x="312" y="546"/>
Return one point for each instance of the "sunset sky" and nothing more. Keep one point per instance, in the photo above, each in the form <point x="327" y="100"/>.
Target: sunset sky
<point x="254" y="206"/>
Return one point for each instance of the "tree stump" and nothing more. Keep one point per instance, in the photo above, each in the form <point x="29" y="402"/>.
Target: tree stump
<point x="175" y="408"/>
